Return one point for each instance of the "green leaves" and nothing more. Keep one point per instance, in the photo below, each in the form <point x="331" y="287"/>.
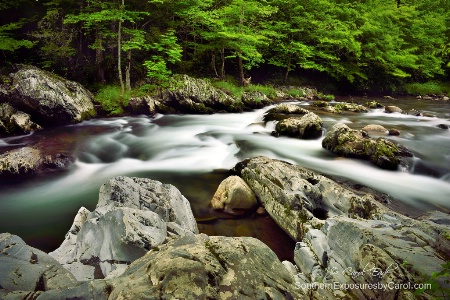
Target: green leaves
<point x="7" y="40"/>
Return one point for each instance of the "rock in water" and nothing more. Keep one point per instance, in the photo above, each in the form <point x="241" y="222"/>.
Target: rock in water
<point x="347" y="142"/>
<point x="48" y="98"/>
<point x="233" y="193"/>
<point x="307" y="127"/>
<point x="375" y="129"/>
<point x="31" y="160"/>
<point x="358" y="241"/>
<point x="132" y="216"/>
<point x="13" y="121"/>
<point x="392" y="109"/>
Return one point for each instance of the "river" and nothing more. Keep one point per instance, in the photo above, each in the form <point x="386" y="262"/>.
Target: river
<point x="194" y="152"/>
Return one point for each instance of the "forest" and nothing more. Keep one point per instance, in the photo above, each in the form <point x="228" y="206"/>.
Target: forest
<point x="354" y="45"/>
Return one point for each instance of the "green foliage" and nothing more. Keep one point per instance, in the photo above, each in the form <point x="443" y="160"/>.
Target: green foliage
<point x="327" y="97"/>
<point x="7" y="40"/>
<point x="111" y="100"/>
<point x="167" y="50"/>
<point x="437" y="288"/>
<point x="427" y="88"/>
<point x="295" y="93"/>
<point x="267" y="90"/>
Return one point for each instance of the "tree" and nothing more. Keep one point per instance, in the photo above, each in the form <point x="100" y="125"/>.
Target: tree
<point x="238" y="26"/>
<point x="7" y="40"/>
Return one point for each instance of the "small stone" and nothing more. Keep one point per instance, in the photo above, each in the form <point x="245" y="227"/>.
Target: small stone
<point x="261" y="211"/>
<point x="394" y="132"/>
<point x="442" y="126"/>
<point x="392" y="109"/>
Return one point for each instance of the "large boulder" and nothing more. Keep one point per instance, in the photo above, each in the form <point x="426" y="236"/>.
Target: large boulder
<point x="345" y="238"/>
<point x="32" y="160"/>
<point x="24" y="268"/>
<point x="293" y="195"/>
<point x="282" y="111"/>
<point x="255" y="99"/>
<point x="48" y="98"/>
<point x="193" y="95"/>
<point x="189" y="267"/>
<point x="234" y="196"/>
<point x="202" y="267"/>
<point x="347" y="142"/>
<point x="308" y="126"/>
<point x="13" y="121"/>
<point x="132" y="216"/>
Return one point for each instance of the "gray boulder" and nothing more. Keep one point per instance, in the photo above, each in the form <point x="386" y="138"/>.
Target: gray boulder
<point x="132" y="216"/>
<point x="193" y="95"/>
<point x="24" y="268"/>
<point x="48" y="98"/>
<point x="392" y="109"/>
<point x="255" y="99"/>
<point x="352" y="239"/>
<point x="375" y="129"/>
<point x="347" y="142"/>
<point x="202" y="267"/>
<point x="32" y="160"/>
<point x="13" y="121"/>
<point x="307" y="127"/>
<point x="234" y="196"/>
<point x="282" y="111"/>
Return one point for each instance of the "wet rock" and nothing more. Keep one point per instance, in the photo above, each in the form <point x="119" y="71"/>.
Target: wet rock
<point x="373" y="104"/>
<point x="445" y="98"/>
<point x="394" y="132"/>
<point x="24" y="268"/>
<point x="375" y="129"/>
<point x="392" y="109"/>
<point x="352" y="107"/>
<point x="48" y="98"/>
<point x="202" y="267"/>
<point x="442" y="126"/>
<point x="414" y="112"/>
<point x="255" y="99"/>
<point x="347" y="142"/>
<point x="359" y="242"/>
<point x="132" y="216"/>
<point x="307" y="127"/>
<point x="15" y="122"/>
<point x="389" y="97"/>
<point x="282" y="111"/>
<point x="234" y="196"/>
<point x="32" y="160"/>
<point x="193" y="95"/>
<point x="292" y="195"/>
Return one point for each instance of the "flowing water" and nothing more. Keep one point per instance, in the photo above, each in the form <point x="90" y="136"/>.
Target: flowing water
<point x="194" y="153"/>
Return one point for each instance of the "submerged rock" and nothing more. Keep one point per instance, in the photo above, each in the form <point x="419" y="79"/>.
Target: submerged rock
<point x="307" y="127"/>
<point x="234" y="196"/>
<point x="48" y="98"/>
<point x="347" y="142"/>
<point x="132" y="216"/>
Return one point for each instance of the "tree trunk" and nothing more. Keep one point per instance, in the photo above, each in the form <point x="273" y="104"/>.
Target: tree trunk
<point x="100" y="60"/>
<point x="127" y="71"/>
<point x="119" y="51"/>
<point x="241" y="70"/>
<point x="222" y="66"/>
<point x="213" y="64"/>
